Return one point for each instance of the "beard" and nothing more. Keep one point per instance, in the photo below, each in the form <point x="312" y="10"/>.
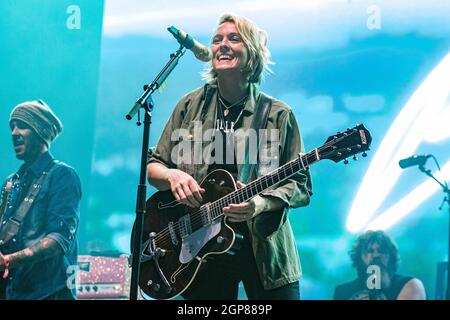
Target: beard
<point x="385" y="269"/>
<point x="377" y="262"/>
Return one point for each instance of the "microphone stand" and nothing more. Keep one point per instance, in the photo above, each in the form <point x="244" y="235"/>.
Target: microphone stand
<point x="446" y="200"/>
<point x="145" y="102"/>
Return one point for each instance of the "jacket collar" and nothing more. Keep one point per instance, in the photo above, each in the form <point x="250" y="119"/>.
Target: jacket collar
<point x="250" y="105"/>
<point x="252" y="100"/>
<point x="40" y="164"/>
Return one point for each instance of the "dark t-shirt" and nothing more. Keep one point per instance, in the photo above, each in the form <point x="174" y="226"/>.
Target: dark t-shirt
<point x="227" y="121"/>
<point x="357" y="290"/>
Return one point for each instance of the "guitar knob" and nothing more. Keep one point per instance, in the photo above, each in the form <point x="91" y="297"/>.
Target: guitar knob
<point x="364" y="154"/>
<point x="220" y="239"/>
<point x="160" y="252"/>
<point x="345" y="161"/>
<point x="156" y="287"/>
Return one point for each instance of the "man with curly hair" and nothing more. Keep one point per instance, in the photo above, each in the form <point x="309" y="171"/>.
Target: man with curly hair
<point x="375" y="257"/>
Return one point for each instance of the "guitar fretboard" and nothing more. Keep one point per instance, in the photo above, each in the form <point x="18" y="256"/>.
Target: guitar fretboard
<point x="263" y="183"/>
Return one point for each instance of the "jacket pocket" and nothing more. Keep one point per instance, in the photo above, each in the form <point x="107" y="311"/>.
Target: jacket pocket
<point x="267" y="224"/>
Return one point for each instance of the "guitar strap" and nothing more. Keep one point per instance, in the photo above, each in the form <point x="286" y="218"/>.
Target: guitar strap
<point x="208" y="93"/>
<point x="12" y="226"/>
<point x="259" y="121"/>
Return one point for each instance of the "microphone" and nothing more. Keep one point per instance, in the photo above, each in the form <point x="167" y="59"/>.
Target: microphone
<point x="200" y="51"/>
<point x="416" y="160"/>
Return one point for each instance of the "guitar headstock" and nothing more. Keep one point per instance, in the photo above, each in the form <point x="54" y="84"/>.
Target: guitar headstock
<point x="345" y="144"/>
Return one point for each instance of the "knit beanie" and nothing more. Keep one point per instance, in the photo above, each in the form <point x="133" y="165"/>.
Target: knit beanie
<point x="38" y="115"/>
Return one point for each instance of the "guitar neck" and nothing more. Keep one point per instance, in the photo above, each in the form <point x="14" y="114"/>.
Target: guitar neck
<point x="4" y="200"/>
<point x="265" y="182"/>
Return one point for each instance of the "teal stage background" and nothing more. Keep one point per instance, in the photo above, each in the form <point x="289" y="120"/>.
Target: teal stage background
<point x="46" y="54"/>
<point x="337" y="63"/>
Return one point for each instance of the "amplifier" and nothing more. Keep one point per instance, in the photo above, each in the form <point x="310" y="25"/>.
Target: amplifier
<point x="103" y="277"/>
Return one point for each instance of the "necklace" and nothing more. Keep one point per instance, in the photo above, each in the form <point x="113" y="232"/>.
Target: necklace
<point x="237" y="103"/>
<point x="225" y="125"/>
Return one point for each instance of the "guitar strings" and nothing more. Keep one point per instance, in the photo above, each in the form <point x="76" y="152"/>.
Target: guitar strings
<point x="196" y="217"/>
<point x="241" y="195"/>
<point x="217" y="206"/>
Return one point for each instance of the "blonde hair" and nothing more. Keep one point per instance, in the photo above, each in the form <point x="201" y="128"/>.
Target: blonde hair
<point x="255" y="39"/>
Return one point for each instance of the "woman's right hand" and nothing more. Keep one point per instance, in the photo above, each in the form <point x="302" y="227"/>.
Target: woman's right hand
<point x="184" y="188"/>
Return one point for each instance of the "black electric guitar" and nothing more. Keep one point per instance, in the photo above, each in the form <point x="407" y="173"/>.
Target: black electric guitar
<point x="177" y="238"/>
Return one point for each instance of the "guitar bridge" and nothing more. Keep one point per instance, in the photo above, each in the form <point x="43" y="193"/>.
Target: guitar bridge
<point x="185" y="226"/>
<point x="173" y="235"/>
<point x="205" y="214"/>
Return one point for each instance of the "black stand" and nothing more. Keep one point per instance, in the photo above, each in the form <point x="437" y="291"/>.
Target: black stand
<point x="446" y="200"/>
<point x="145" y="101"/>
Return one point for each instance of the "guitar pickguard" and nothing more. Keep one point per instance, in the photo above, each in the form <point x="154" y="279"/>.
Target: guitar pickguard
<point x="193" y="243"/>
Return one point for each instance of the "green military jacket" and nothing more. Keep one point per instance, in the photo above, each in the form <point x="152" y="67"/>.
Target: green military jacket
<point x="273" y="242"/>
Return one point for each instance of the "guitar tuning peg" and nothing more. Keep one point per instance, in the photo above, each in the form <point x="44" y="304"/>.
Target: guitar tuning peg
<point x="345" y="161"/>
<point x="355" y="157"/>
<point x="364" y="154"/>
